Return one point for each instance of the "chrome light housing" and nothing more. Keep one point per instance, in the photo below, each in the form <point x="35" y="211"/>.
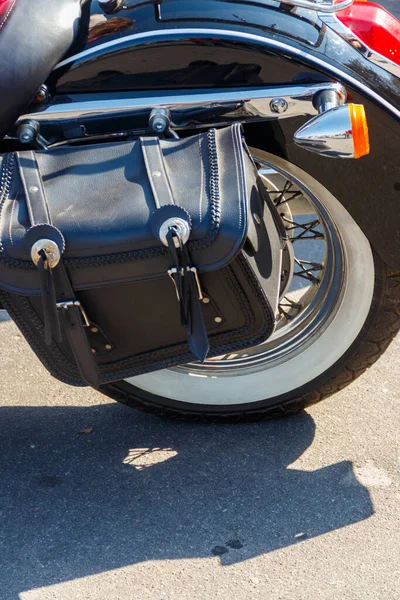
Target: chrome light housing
<point x="340" y="132"/>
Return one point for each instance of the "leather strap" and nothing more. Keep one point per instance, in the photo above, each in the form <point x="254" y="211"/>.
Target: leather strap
<point x="71" y="314"/>
<point x="156" y="171"/>
<point x="73" y="326"/>
<point x="185" y="280"/>
<point x="33" y="187"/>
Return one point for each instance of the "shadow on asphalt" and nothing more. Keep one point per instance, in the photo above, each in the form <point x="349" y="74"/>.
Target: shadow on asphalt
<point x="75" y="505"/>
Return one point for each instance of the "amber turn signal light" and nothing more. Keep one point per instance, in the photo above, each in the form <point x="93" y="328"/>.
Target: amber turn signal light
<point x="359" y="127"/>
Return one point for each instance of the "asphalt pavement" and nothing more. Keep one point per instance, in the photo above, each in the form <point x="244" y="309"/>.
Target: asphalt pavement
<point x="100" y="502"/>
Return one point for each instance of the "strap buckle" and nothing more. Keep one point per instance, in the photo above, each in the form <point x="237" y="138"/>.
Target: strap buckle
<point x="173" y="272"/>
<point x="196" y="276"/>
<point x="71" y="303"/>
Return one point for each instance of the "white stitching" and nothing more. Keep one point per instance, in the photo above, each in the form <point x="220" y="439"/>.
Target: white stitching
<point x="3" y="187"/>
<point x="7" y="15"/>
<point x="201" y="181"/>
<point x="237" y="177"/>
<point x="11" y="219"/>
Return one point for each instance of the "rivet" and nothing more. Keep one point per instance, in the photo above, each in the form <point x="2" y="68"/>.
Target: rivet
<point x="94" y="330"/>
<point x="218" y="320"/>
<point x="94" y="350"/>
<point x="108" y="347"/>
<point x="278" y="105"/>
<point x="157" y="174"/>
<point x="257" y="218"/>
<point x="206" y="300"/>
<point x="33" y="189"/>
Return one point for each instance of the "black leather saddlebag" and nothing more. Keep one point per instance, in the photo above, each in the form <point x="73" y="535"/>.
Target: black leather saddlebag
<point x="123" y="258"/>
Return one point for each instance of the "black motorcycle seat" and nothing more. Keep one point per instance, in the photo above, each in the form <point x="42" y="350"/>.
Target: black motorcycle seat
<point x="34" y="36"/>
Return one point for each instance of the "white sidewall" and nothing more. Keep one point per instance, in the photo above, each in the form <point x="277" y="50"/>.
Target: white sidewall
<point x="317" y="357"/>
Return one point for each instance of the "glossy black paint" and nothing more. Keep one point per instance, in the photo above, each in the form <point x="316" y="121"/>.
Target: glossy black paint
<point x="180" y="60"/>
<point x="369" y="188"/>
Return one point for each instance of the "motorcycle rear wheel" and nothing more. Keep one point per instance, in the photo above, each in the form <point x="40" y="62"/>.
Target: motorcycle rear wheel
<point x="339" y="310"/>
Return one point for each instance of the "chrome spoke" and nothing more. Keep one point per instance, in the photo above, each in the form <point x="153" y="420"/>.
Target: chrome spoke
<point x="307" y="268"/>
<point x="282" y="194"/>
<point x="306" y="273"/>
<point x="289" y="304"/>
<point x="306" y="228"/>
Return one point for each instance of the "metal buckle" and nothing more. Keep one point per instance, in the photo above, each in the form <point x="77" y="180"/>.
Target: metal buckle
<point x="70" y="304"/>
<point x="196" y="276"/>
<point x="181" y="271"/>
<point x="171" y="273"/>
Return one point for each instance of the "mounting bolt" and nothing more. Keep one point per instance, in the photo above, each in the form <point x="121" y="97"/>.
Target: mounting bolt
<point x="278" y="105"/>
<point x="28" y="131"/>
<point x="160" y="120"/>
<point x="26" y="137"/>
<point x="159" y="124"/>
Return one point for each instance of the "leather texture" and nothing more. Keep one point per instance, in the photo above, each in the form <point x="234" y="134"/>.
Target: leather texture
<point x="34" y="36"/>
<point x="101" y="199"/>
<point x="235" y="246"/>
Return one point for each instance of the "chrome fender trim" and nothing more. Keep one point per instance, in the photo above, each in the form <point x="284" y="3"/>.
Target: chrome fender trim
<point x="225" y="34"/>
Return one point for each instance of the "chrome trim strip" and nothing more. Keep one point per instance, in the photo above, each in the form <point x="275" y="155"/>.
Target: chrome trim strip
<point x="249" y="37"/>
<point x="332" y="21"/>
<point x="191" y="108"/>
<point x="325" y="6"/>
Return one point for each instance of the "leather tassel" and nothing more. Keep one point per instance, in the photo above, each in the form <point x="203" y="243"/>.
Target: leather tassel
<point x="188" y="292"/>
<point x="196" y="328"/>
<point x="52" y="329"/>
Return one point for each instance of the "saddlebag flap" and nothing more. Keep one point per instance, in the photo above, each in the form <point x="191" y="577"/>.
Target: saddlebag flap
<point x="123" y="258"/>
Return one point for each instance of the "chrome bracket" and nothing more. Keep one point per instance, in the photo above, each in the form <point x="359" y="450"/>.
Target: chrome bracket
<point x="72" y="303"/>
<point x="328" y="6"/>
<point x="213" y="108"/>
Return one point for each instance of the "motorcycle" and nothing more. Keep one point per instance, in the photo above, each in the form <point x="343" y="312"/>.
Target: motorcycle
<point x="315" y="86"/>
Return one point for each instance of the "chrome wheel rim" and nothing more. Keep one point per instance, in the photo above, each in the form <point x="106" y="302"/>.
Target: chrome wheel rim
<point x="316" y="284"/>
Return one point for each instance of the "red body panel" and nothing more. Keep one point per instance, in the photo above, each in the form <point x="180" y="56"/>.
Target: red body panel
<point x="6" y="7"/>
